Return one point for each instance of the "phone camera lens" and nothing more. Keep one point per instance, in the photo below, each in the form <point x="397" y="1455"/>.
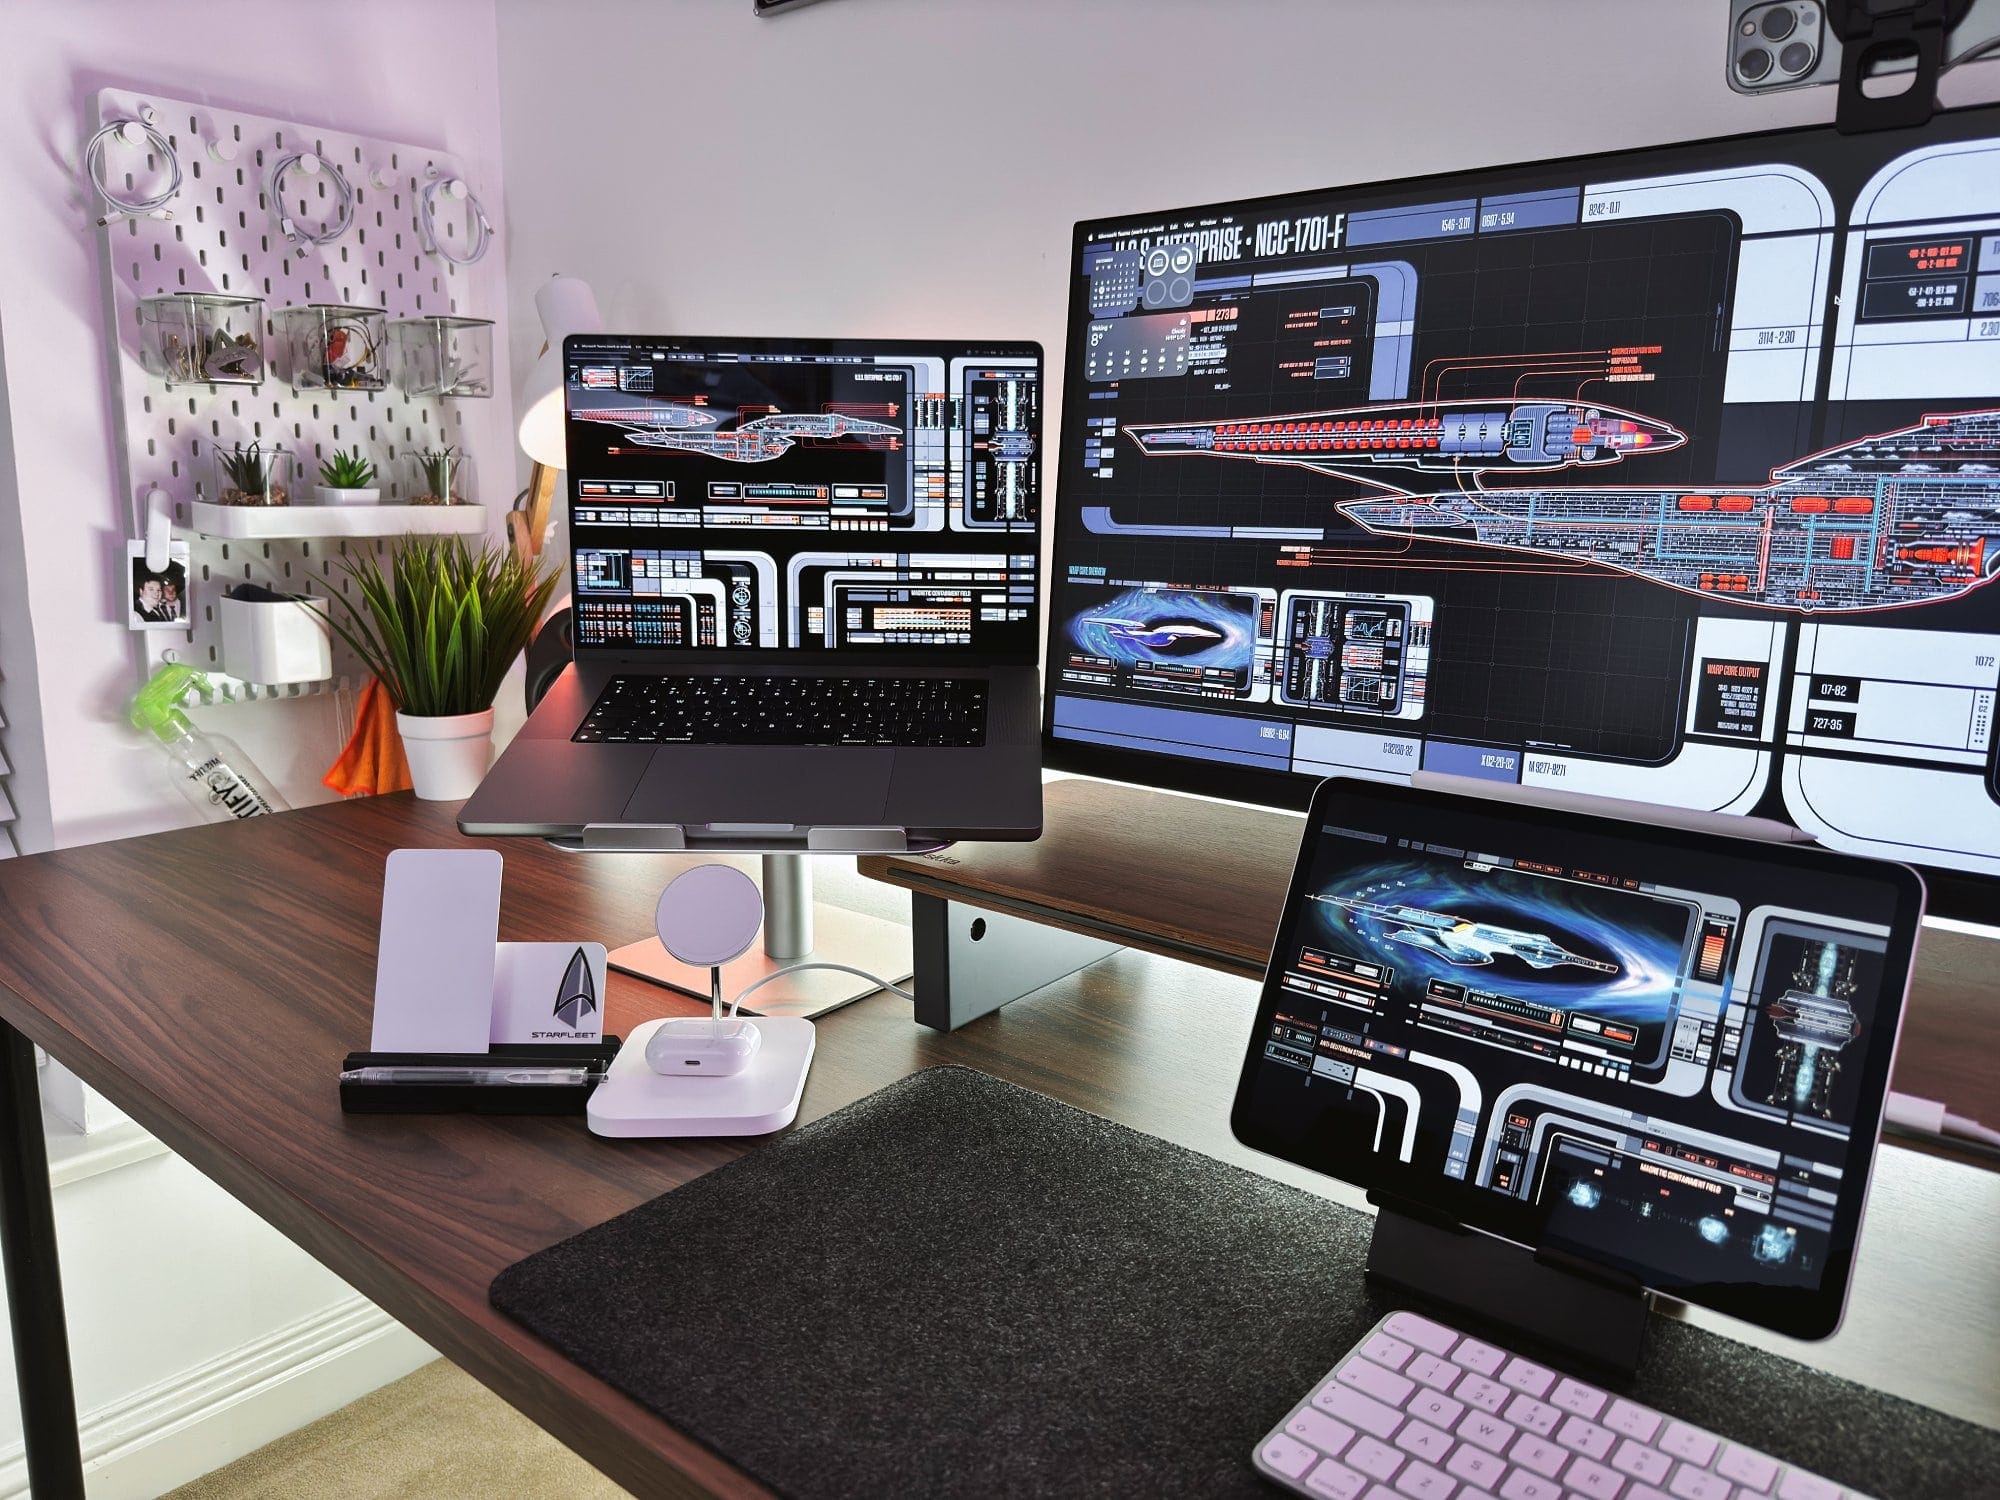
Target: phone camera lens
<point x="1779" y="23"/>
<point x="1796" y="58"/>
<point x="1754" y="64"/>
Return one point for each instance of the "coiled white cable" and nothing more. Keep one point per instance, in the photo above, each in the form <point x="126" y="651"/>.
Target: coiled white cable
<point x="293" y="230"/>
<point x="482" y="235"/>
<point x="894" y="989"/>
<point x="132" y="132"/>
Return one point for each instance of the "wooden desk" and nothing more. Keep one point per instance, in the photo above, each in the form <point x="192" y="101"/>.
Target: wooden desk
<point x="210" y="982"/>
<point x="1204" y="881"/>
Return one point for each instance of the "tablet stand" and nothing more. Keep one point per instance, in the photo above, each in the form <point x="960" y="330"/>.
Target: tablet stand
<point x="795" y="929"/>
<point x="1590" y="1312"/>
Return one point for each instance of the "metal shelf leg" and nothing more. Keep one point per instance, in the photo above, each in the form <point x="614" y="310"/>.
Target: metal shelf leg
<point x="34" y="1281"/>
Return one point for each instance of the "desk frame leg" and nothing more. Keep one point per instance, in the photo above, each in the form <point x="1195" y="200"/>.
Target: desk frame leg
<point x="971" y="962"/>
<point x="34" y="1281"/>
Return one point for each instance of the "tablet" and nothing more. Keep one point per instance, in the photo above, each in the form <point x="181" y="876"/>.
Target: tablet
<point x="1663" y="1051"/>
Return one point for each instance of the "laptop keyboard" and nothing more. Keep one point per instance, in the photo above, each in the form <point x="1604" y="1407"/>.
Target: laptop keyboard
<point x="943" y="712"/>
<point x="1419" y="1411"/>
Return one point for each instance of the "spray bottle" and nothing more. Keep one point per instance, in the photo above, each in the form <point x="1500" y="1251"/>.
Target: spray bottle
<point x="213" y="773"/>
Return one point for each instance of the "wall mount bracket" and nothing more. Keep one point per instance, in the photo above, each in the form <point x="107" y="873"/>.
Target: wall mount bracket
<point x="1871" y="32"/>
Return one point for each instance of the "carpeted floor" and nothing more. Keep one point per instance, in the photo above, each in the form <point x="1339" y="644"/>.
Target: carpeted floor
<point x="436" y="1434"/>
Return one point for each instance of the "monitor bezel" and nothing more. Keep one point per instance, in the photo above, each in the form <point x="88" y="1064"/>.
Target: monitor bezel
<point x="679" y="657"/>
<point x="1953" y="893"/>
<point x="1797" y="1312"/>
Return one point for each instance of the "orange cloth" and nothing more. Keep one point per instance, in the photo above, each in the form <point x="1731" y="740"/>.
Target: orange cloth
<point x="373" y="760"/>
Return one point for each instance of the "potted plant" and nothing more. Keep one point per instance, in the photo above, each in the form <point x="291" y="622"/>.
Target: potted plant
<point x="348" y="479"/>
<point x="438" y="476"/>
<point x="440" y="626"/>
<point x="252" y="475"/>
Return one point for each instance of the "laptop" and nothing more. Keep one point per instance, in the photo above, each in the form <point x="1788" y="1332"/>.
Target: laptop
<point x="1582" y="1064"/>
<point x="806" y="600"/>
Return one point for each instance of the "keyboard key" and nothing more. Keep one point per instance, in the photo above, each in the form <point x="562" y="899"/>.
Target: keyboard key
<point x="1690" y="1483"/>
<point x="1798" y="1485"/>
<point x="1435" y="1406"/>
<point x="1322" y="1431"/>
<point x="1574" y="1395"/>
<point x="1683" y="1441"/>
<point x="1487" y="1395"/>
<point x="1525" y="1376"/>
<point x="1357" y="1410"/>
<point x="1373" y="1380"/>
<point x="1335" y="1479"/>
<point x="1536" y="1416"/>
<point x="1488" y="1432"/>
<point x="1425" y="1441"/>
<point x="1288" y="1456"/>
<point x="1423" y="1482"/>
<point x="1647" y="1492"/>
<point x="1632" y="1421"/>
<point x="1432" y="1338"/>
<point x="1641" y="1462"/>
<point x="1544" y="1458"/>
<point x="1475" y="1467"/>
<point x="1588" y="1477"/>
<point x="1386" y="1351"/>
<point x="1586" y="1438"/>
<point x="1748" y="1468"/>
<point x="1439" y="1374"/>
<point x="1521" y="1485"/>
<point x="1377" y="1460"/>
<point x="1483" y="1358"/>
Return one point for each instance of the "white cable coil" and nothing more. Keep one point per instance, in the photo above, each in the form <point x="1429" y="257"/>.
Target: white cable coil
<point x="482" y="228"/>
<point x="151" y="204"/>
<point x="293" y="229"/>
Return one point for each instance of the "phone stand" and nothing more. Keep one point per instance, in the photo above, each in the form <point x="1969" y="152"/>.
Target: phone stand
<point x="707" y="917"/>
<point x="795" y="929"/>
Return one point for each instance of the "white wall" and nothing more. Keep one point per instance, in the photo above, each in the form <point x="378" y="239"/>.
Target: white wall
<point x="169" y="1280"/>
<point x="424" y="74"/>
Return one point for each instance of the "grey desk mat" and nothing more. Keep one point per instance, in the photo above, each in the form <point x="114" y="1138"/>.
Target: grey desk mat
<point x="959" y="1287"/>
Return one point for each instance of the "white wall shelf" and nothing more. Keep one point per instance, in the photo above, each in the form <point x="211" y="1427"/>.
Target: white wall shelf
<point x="302" y="522"/>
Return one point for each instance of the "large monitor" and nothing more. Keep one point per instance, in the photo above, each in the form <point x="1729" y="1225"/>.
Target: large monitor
<point x="1669" y="475"/>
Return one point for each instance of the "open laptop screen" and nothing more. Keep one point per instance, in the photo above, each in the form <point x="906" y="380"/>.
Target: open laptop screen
<point x="1661" y="1051"/>
<point x="804" y="495"/>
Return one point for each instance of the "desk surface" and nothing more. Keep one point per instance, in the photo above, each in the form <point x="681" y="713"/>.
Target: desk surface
<point x="210" y="982"/>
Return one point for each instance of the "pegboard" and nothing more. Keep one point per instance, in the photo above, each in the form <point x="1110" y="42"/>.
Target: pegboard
<point x="223" y="237"/>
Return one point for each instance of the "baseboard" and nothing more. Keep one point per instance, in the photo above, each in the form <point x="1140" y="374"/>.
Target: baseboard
<point x="164" y="1436"/>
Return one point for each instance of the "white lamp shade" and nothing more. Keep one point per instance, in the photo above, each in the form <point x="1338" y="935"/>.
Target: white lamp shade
<point x="566" y="307"/>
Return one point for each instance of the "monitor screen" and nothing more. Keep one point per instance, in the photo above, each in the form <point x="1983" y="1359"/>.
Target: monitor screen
<point x="1659" y="1051"/>
<point x="1670" y="475"/>
<point x="804" y="495"/>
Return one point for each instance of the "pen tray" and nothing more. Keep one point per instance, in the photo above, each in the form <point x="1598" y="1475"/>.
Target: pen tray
<point x="477" y="1099"/>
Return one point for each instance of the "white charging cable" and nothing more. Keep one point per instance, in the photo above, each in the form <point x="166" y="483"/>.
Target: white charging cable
<point x="1930" y="1117"/>
<point x="482" y="228"/>
<point x="295" y="232"/>
<point x="133" y="133"/>
<point x="878" y="980"/>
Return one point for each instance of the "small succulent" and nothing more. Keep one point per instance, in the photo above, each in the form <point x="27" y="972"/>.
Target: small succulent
<point x="441" y="468"/>
<point x="347" y="471"/>
<point x="245" y="468"/>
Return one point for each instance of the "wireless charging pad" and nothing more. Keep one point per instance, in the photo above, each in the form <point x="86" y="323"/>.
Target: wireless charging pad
<point x="634" y="1101"/>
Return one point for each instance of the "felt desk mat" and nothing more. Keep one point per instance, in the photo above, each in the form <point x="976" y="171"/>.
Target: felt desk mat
<point x="959" y="1287"/>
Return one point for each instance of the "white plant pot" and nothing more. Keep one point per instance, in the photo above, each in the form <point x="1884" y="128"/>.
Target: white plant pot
<point x="448" y="756"/>
<point x="330" y="495"/>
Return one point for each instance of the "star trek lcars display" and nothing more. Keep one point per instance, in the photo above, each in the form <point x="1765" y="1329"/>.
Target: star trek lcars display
<point x="1669" y="475"/>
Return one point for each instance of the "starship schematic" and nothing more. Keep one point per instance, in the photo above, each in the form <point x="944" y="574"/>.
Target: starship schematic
<point x="1146" y="633"/>
<point x="1465" y="943"/>
<point x="756" y="441"/>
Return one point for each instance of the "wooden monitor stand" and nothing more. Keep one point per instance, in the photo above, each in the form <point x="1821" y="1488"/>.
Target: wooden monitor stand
<point x="1121" y="866"/>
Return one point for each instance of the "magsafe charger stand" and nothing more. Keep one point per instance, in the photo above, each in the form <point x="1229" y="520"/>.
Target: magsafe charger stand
<point x="795" y="930"/>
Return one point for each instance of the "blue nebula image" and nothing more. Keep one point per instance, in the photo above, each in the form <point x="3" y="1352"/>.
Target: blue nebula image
<point x="1620" y="951"/>
<point x="1774" y="1245"/>
<point x="1584" y="1194"/>
<point x="1714" y="1230"/>
<point x="1184" y="626"/>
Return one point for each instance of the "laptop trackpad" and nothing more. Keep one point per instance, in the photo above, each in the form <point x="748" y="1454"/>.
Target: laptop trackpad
<point x="806" y="784"/>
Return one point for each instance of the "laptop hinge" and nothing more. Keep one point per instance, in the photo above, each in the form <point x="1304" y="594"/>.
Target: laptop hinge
<point x="635" y="837"/>
<point x="1590" y="1312"/>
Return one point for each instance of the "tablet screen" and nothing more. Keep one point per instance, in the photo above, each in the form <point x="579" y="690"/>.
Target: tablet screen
<point x="1661" y="1051"/>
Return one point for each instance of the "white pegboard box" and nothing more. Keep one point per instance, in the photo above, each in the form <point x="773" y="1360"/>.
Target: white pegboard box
<point x="223" y="237"/>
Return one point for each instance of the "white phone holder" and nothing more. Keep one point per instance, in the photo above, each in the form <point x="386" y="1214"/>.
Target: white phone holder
<point x="712" y="1075"/>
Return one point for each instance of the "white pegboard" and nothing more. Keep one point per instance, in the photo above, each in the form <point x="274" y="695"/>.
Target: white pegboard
<point x="223" y="238"/>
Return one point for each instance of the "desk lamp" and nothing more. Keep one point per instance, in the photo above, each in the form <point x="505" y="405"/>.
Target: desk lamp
<point x="566" y="306"/>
